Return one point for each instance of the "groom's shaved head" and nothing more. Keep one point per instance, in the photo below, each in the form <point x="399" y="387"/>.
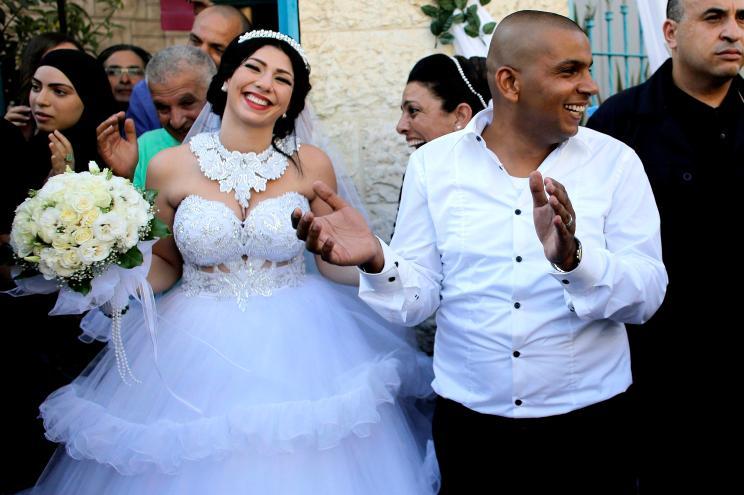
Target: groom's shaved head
<point x="521" y="36"/>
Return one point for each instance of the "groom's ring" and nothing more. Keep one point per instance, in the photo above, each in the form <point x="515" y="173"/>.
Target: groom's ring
<point x="570" y="221"/>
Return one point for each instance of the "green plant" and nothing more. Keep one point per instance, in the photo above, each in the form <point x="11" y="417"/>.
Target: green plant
<point x="447" y="13"/>
<point x="20" y="20"/>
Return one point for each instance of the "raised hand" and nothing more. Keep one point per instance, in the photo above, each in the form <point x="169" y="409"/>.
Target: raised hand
<point x="555" y="220"/>
<point x="62" y="153"/>
<point x="341" y="237"/>
<point x="18" y="115"/>
<point x="120" y="155"/>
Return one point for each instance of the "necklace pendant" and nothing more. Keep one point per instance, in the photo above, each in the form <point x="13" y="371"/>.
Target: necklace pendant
<point x="237" y="171"/>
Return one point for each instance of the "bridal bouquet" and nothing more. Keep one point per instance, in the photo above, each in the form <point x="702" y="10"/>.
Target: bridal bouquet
<point x="79" y="224"/>
<point x="88" y="235"/>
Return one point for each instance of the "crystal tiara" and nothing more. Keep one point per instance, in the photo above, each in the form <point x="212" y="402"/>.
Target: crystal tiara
<point x="467" y="83"/>
<point x="265" y="33"/>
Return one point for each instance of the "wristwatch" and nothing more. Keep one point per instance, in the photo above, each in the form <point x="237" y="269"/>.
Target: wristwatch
<point x="576" y="260"/>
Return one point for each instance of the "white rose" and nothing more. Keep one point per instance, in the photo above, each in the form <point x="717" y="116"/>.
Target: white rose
<point x="138" y="216"/>
<point x="80" y="200"/>
<point x="47" y="271"/>
<point x="109" y="226"/>
<point x="70" y="260"/>
<point x="120" y="183"/>
<point x="48" y="224"/>
<point x="93" y="167"/>
<point x="63" y="271"/>
<point x="22" y="240"/>
<point x="132" y="237"/>
<point x="53" y="186"/>
<point x="68" y="216"/>
<point x="93" y="251"/>
<point x="81" y="235"/>
<point x="49" y="217"/>
<point x="49" y="263"/>
<point x="61" y="242"/>
<point x="102" y="198"/>
<point x="87" y="218"/>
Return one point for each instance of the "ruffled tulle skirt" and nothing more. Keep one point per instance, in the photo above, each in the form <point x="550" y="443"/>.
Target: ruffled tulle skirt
<point x="303" y="392"/>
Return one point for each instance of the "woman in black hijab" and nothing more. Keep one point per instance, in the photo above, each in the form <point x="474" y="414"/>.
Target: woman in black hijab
<point x="70" y="96"/>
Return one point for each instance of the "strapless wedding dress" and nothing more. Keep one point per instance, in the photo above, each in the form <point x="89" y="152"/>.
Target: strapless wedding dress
<point x="267" y="380"/>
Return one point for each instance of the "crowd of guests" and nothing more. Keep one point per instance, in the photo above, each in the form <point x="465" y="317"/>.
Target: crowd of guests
<point x="529" y="241"/>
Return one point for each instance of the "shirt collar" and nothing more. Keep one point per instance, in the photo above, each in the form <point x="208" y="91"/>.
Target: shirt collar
<point x="480" y="121"/>
<point x="485" y="117"/>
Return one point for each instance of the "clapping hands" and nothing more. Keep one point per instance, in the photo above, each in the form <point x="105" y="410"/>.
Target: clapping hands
<point x="555" y="220"/>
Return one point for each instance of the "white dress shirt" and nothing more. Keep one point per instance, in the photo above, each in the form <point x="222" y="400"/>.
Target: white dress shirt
<point x="514" y="337"/>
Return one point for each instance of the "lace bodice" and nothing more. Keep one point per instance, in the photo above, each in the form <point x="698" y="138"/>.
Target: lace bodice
<point x="225" y="256"/>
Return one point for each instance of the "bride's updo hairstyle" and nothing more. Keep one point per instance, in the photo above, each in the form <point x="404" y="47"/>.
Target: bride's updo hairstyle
<point x="243" y="47"/>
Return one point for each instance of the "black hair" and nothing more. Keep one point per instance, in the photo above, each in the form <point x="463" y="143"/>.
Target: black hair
<point x="235" y="54"/>
<point x="140" y="52"/>
<point x="439" y="73"/>
<point x="675" y="10"/>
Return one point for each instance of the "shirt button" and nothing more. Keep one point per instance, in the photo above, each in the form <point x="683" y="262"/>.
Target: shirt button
<point x="519" y="259"/>
<point x="564" y="281"/>
<point x="395" y="263"/>
<point x="391" y="279"/>
<point x="687" y="176"/>
<point x="517" y="305"/>
<point x="723" y="135"/>
<point x="516" y="354"/>
<point x="518" y="402"/>
<point x="478" y="138"/>
<point x="517" y="211"/>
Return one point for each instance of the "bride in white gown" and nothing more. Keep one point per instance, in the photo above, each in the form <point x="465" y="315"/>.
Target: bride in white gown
<point x="266" y="380"/>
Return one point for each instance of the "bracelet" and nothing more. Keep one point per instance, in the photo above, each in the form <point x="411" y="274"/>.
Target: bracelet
<point x="576" y="260"/>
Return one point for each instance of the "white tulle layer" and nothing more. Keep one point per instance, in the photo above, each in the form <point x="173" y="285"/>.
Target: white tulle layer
<point x="301" y="393"/>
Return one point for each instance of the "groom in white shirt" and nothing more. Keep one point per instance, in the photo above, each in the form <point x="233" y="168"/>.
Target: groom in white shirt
<point x="536" y="240"/>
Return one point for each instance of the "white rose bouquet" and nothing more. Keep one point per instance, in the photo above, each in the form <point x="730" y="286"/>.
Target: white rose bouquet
<point x="79" y="224"/>
<point x="88" y="235"/>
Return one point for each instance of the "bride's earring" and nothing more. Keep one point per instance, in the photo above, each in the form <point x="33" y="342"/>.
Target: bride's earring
<point x="458" y="127"/>
<point x="285" y="115"/>
<point x="224" y="87"/>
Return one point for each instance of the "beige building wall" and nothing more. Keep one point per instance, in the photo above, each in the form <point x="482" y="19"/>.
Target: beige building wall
<point x="360" y="52"/>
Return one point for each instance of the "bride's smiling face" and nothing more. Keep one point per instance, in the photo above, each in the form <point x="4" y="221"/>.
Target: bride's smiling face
<point x="260" y="89"/>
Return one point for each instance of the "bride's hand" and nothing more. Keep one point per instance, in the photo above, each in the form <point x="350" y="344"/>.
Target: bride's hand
<point x="341" y="237"/>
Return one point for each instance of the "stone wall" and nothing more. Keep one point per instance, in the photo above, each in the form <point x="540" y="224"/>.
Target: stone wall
<point x="361" y="52"/>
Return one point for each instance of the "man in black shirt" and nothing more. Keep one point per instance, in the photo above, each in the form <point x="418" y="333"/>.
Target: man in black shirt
<point x="687" y="125"/>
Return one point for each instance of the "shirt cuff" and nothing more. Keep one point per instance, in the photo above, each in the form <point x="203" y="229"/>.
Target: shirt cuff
<point x="585" y="275"/>
<point x="388" y="280"/>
